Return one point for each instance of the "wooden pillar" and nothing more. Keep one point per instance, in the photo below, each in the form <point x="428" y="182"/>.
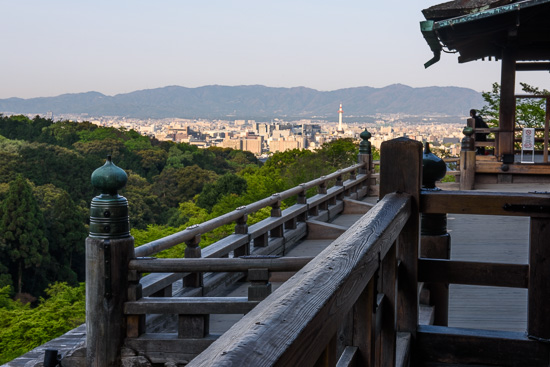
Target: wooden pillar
<point x="538" y="323"/>
<point x="467" y="159"/>
<point x="388" y="333"/>
<point x="193" y="251"/>
<point x="106" y="291"/>
<point x="241" y="227"/>
<point x="438" y="247"/>
<point x="401" y="171"/>
<point x="507" y="109"/>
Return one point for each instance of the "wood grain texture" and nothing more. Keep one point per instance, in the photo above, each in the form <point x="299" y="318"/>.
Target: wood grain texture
<point x="401" y="171"/>
<point x="105" y="321"/>
<point x="473" y="273"/>
<point x="217" y="265"/>
<point x="294" y="324"/>
<point x="488" y="203"/>
<point x="189" y="305"/>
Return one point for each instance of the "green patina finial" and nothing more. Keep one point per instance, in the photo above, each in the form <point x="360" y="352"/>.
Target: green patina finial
<point x="468" y="131"/>
<point x="433" y="168"/>
<point x="109" y="211"/>
<point x="109" y="178"/>
<point x="365" y="145"/>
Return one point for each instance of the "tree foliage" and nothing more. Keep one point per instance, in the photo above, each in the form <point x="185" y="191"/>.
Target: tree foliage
<point x="23" y="243"/>
<point x="530" y="112"/>
<point x="23" y="328"/>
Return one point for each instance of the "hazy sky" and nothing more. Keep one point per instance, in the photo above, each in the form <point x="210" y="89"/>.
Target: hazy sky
<point x="66" y="46"/>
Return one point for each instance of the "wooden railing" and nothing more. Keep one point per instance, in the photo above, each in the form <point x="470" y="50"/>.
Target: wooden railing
<point x="357" y="303"/>
<point x="348" y="304"/>
<point x="439" y="344"/>
<point x="274" y="235"/>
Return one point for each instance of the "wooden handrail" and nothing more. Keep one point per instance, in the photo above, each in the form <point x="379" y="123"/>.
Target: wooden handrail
<point x="217" y="265"/>
<point x="191" y="232"/>
<point x="486" y="203"/>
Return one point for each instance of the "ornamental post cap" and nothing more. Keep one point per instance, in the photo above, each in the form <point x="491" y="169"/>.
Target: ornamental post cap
<point x="109" y="178"/>
<point x="365" y="135"/>
<point x="433" y="168"/>
<point x="109" y="211"/>
<point x="468" y="131"/>
<point x="364" y="145"/>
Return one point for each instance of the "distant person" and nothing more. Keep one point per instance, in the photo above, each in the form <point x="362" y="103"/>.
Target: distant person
<point x="479" y="136"/>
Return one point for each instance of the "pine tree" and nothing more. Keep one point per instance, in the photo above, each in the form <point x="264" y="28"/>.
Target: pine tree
<point x="22" y="242"/>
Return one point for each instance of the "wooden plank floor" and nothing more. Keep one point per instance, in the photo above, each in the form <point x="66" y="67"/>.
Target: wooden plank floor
<point x="491" y="239"/>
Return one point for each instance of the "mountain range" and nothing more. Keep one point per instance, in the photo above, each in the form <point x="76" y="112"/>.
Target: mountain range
<point x="254" y="101"/>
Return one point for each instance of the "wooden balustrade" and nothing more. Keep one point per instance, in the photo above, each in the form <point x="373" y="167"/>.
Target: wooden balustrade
<point x="469" y="346"/>
<point x="357" y="303"/>
<point x="273" y="235"/>
<point x="347" y="304"/>
<point x="297" y="324"/>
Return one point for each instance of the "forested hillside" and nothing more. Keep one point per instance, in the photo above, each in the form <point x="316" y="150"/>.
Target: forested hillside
<point x="45" y="193"/>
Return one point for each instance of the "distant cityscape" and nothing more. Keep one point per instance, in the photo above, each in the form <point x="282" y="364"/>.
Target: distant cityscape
<point x="277" y="135"/>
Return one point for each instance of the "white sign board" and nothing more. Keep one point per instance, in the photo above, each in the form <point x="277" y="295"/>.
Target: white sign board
<point x="528" y="144"/>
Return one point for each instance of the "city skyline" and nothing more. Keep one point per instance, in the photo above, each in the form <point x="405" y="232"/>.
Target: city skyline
<point x="60" y="47"/>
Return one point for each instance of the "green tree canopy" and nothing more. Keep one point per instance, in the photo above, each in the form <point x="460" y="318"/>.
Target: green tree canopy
<point x="23" y="242"/>
<point x="226" y="185"/>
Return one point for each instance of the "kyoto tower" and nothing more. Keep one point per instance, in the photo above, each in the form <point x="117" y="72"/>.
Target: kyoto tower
<point x="340" y="113"/>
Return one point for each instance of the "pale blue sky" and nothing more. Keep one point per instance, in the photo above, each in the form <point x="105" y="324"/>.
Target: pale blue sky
<point x="66" y="46"/>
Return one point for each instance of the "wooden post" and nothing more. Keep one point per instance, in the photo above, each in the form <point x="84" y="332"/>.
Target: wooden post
<point x="277" y="212"/>
<point x="438" y="247"/>
<point x="467" y="158"/>
<point x="401" y="171"/>
<point x="507" y="109"/>
<point x="106" y="292"/>
<point x="260" y="287"/>
<point x="193" y="251"/>
<point x="388" y="333"/>
<point x="242" y="228"/>
<point x="109" y="249"/>
<point x="538" y="323"/>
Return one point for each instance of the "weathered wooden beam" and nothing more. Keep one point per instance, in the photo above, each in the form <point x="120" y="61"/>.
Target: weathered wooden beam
<point x="488" y="203"/>
<point x="473" y="273"/>
<point x="218" y="265"/>
<point x="293" y="325"/>
<point x="388" y="278"/>
<point x="519" y="169"/>
<point x="401" y="171"/>
<point x="481" y="347"/>
<point x="165" y="347"/>
<point x="106" y="293"/>
<point x="189" y="305"/>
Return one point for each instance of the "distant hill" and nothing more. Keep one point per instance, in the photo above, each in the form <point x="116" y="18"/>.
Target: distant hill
<point x="254" y="101"/>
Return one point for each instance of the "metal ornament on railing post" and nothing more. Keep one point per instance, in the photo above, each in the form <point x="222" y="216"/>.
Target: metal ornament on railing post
<point x="109" y="211"/>
<point x="109" y="248"/>
<point x="365" y="151"/>
<point x="435" y="240"/>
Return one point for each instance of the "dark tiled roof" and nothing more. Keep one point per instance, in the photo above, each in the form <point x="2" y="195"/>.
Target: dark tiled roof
<point x="488" y="28"/>
<point x="458" y="8"/>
